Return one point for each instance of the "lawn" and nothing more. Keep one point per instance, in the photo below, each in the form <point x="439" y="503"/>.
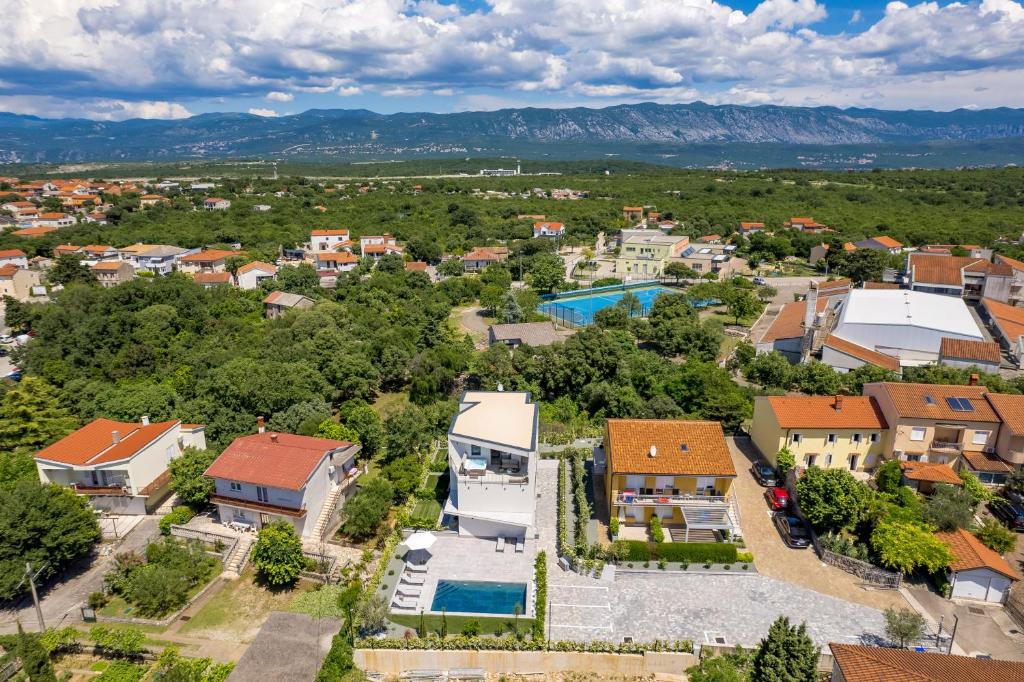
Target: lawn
<point x="488" y="626"/>
<point x="241" y="606"/>
<point x="117" y="607"/>
<point x="426" y="511"/>
<point x="388" y="403"/>
<point x="725" y="318"/>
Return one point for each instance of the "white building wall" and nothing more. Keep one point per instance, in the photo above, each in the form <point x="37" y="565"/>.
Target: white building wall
<point x="251" y="279"/>
<point x="981" y="584"/>
<point x="909" y="340"/>
<point x="152" y="461"/>
<point x="276" y="496"/>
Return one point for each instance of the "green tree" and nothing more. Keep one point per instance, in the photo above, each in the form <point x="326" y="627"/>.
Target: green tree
<point x="784" y="461"/>
<point x="30" y="417"/>
<point x="742" y="304"/>
<point x="546" y="271"/>
<point x="907" y="547"/>
<point x="491" y="297"/>
<point x="771" y="370"/>
<point x="889" y="476"/>
<point x="996" y="536"/>
<point x="277" y="555"/>
<point x="496" y="274"/>
<point x="734" y="667"/>
<point x="511" y="310"/>
<point x="630" y="304"/>
<point x="68" y="269"/>
<point x="49" y="526"/>
<point x="35" y="659"/>
<point x="680" y="271"/>
<point x="974" y="488"/>
<point x="335" y="431"/>
<point x="903" y="626"/>
<point x="17" y="315"/>
<point x="357" y="414"/>
<point x="862" y="265"/>
<point x="171" y="666"/>
<point x="188" y="479"/>
<point x="392" y="263"/>
<point x="949" y="508"/>
<point x="831" y="499"/>
<point x="787" y="654"/>
<point x="404" y="474"/>
<point x="453" y="267"/>
<point x="406" y="432"/>
<point x="366" y="510"/>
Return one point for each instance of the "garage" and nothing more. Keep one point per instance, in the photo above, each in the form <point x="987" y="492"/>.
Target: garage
<point x="977" y="572"/>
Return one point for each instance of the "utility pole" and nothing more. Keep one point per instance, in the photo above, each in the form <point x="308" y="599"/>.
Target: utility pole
<point x="956" y="622"/>
<point x="35" y="596"/>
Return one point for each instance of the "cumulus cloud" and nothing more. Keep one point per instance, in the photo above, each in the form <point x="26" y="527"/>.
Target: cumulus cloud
<point x="154" y="52"/>
<point x="259" y="111"/>
<point x="97" y="109"/>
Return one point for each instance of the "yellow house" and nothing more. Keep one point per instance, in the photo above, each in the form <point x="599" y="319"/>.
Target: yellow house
<point x="647" y="255"/>
<point x="680" y="471"/>
<point x="840" y="432"/>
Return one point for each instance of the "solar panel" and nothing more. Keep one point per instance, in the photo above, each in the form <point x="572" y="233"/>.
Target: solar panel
<point x="960" y="404"/>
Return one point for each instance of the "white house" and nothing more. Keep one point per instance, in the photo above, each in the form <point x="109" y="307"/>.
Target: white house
<point x="268" y="477"/>
<point x="15" y="257"/>
<point x="977" y="572"/>
<point x="546" y="229"/>
<point x="327" y="240"/>
<point x="121" y="466"/>
<point x="492" y="454"/>
<point x="160" y="259"/>
<point x="251" y="274"/>
<point x="216" y="204"/>
<point x="376" y="246"/>
<point x="55" y="219"/>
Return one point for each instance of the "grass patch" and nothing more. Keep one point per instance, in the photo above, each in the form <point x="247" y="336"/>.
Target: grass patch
<point x="488" y="625"/>
<point x="321" y="603"/>
<point x="240" y="607"/>
<point x="725" y="318"/>
<point x="426" y="511"/>
<point x="389" y="403"/>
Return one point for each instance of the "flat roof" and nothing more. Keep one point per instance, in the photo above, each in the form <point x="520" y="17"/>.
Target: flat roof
<point x="503" y="418"/>
<point x="908" y="308"/>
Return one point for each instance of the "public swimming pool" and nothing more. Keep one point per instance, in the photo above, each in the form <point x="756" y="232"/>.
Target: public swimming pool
<point x="463" y="596"/>
<point x="580" y="310"/>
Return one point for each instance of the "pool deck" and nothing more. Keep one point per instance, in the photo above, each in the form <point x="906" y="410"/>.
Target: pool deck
<point x="465" y="558"/>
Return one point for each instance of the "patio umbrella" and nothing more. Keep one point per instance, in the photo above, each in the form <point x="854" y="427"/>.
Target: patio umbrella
<point x="420" y="540"/>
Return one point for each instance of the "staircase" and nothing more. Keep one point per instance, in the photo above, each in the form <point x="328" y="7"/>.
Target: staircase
<point x="330" y="504"/>
<point x="236" y="560"/>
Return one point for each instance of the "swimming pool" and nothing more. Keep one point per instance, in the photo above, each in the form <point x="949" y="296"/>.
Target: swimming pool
<point x="580" y="310"/>
<point x="464" y="596"/>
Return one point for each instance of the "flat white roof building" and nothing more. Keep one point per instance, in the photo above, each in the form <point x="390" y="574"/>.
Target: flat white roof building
<point x="492" y="454"/>
<point x="909" y="325"/>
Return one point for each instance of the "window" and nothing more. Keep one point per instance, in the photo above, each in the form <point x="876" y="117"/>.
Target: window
<point x="795" y="438"/>
<point x="917" y="433"/>
<point x="171" y="452"/>
<point x="874" y="437"/>
<point x="913" y="458"/>
<point x="855" y="438"/>
<point x="853" y="462"/>
<point x="831" y="438"/>
<point x="810" y="460"/>
<point x="261" y="494"/>
<point x="236" y="487"/>
<point x="981" y="437"/>
<point x="828" y="460"/>
<point x="474" y="450"/>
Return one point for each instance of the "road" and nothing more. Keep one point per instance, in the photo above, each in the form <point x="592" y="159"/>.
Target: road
<point x="61" y="600"/>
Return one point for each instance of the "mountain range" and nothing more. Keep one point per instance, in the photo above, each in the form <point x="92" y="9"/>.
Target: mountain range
<point x="345" y="134"/>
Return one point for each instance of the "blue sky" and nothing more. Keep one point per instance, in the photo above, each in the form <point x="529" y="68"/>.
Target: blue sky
<point x="115" y="59"/>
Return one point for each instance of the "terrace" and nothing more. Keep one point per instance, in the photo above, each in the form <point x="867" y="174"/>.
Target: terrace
<point x="500" y="467"/>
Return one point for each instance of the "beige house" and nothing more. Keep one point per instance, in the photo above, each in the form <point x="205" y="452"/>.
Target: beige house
<point x="210" y="260"/>
<point x="832" y="432"/>
<point x="110" y="273"/>
<point x="18" y="282"/>
<point x="277" y="303"/>
<point x="645" y="256"/>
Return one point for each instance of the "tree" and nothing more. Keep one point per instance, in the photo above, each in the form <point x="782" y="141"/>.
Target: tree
<point x="406" y="432"/>
<point x="35" y="659"/>
<point x="491" y="297"/>
<point x="188" y="479"/>
<point x="903" y="625"/>
<point x="277" y="555"/>
<point x="404" y="474"/>
<point x="679" y="271"/>
<point x="630" y="304"/>
<point x="302" y="418"/>
<point x="831" y="499"/>
<point x="68" y="269"/>
<point x="862" y="265"/>
<point x="742" y="304"/>
<point x="996" y="536"/>
<point x="453" y="267"/>
<point x="496" y="274"/>
<point x="49" y="526"/>
<point x="17" y="315"/>
<point x="546" y="271"/>
<point x="949" y="508"/>
<point x="889" y="476"/>
<point x="734" y="667"/>
<point x="358" y="415"/>
<point x="373" y="614"/>
<point x="907" y="547"/>
<point x="30" y="417"/>
<point x="787" y="654"/>
<point x="771" y="370"/>
<point x="974" y="488"/>
<point x="784" y="461"/>
<point x="171" y="666"/>
<point x="392" y="263"/>
<point x="367" y="509"/>
<point x="334" y="431"/>
<point x="511" y="311"/>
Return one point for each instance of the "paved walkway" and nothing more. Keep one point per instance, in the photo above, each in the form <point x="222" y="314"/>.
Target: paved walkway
<point x="798" y="566"/>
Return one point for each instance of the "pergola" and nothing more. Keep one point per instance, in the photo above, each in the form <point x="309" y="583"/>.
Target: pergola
<point x="706" y="517"/>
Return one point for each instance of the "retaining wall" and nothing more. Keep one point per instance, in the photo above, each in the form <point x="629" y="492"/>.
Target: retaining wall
<point x="394" y="662"/>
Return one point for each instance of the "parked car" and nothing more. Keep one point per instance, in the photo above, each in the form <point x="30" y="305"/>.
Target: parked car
<point x="1009" y="512"/>
<point x="760" y="280"/>
<point x="14" y="375"/>
<point x="778" y="498"/>
<point x="6" y="338"/>
<point x="3" y="352"/>
<point x="765" y="474"/>
<point x="793" y="531"/>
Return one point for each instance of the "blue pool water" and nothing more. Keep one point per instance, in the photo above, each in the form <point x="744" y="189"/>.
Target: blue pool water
<point x="462" y="596"/>
<point x="580" y="310"/>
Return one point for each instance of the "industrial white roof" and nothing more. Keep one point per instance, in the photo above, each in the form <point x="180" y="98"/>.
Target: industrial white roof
<point x="901" y="307"/>
<point x="497" y="417"/>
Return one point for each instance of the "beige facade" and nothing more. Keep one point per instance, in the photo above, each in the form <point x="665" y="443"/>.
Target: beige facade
<point x="18" y="282"/>
<point x="646" y="255"/>
<point x="634" y="498"/>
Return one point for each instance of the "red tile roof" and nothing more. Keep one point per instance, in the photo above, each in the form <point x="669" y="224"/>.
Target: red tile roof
<point x="257" y="265"/>
<point x="416" y="266"/>
<point x="279" y="460"/>
<point x="1012" y="262"/>
<point x="1009" y="319"/>
<point x="969" y="553"/>
<point x="94" y="442"/>
<point x="964" y="349"/>
<point x="1010" y="409"/>
<point x="872" y="664"/>
<point x="109" y="265"/>
<point x="34" y="231"/>
<point x="833" y="287"/>
<point x="932" y="472"/>
<point x="629" y="445"/>
<point x="789" y="323"/>
<point x="329" y="233"/>
<point x="986" y="461"/>
<point x="820" y="411"/>
<point x="209" y="255"/>
<point x="944" y="270"/>
<point x="339" y="257"/>
<point x="8" y="270"/>
<point x="212" y="278"/>
<point x="928" y="401"/>
<point x="12" y="253"/>
<point x="868" y="355"/>
<point x="887" y="241"/>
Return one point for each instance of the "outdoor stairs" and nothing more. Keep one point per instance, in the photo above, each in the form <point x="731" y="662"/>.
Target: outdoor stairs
<point x="234" y="563"/>
<point x="696" y="535"/>
<point x="330" y="504"/>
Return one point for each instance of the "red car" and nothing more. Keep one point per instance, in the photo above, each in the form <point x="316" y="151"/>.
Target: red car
<point x="778" y="498"/>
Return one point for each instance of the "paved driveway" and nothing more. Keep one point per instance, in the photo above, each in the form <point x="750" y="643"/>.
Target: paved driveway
<point x="798" y="566"/>
<point x="980" y="629"/>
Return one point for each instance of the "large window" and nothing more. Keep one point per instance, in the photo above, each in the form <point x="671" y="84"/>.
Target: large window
<point x="918" y="433"/>
<point x="261" y="494"/>
<point x="981" y="437"/>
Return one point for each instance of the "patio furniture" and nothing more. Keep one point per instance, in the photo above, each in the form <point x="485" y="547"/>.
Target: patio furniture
<point x="404" y="602"/>
<point x="416" y="568"/>
<point x="499" y="545"/>
<point x="520" y="546"/>
<point x="413" y="579"/>
<point x="408" y="591"/>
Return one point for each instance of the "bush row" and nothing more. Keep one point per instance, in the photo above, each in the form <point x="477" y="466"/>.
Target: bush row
<point x="541" y="605"/>
<point x="465" y="643"/>
<point x="178" y="516"/>
<point x="678" y="552"/>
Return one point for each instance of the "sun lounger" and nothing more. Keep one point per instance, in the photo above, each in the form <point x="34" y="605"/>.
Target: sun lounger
<point x="412" y="579"/>
<point x="404" y="603"/>
<point x="406" y="591"/>
<point x="416" y="568"/>
<point x="499" y="545"/>
<point x="520" y="546"/>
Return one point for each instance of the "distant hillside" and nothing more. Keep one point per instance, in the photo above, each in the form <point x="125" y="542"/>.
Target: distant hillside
<point x="575" y="133"/>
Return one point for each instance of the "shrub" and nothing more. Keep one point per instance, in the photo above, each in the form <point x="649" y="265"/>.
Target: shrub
<point x="540" y="606"/>
<point x="471" y="628"/>
<point x="97" y="600"/>
<point x="156" y="590"/>
<point x="121" y="671"/>
<point x="996" y="536"/>
<point x="177" y="517"/>
<point x="657" y="532"/>
<point x="118" y="641"/>
<point x="708" y="552"/>
<point x="65" y="639"/>
<point x="633" y="550"/>
<point x="744" y="557"/>
<point x="368" y="508"/>
<point x="613" y="527"/>
<point x="277" y="554"/>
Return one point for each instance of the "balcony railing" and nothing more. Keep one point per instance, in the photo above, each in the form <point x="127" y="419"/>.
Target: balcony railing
<point x="946" y="446"/>
<point x="625" y="497"/>
<point x="488" y="476"/>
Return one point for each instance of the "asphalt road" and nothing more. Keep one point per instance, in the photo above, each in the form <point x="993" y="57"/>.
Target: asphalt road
<point x="61" y="599"/>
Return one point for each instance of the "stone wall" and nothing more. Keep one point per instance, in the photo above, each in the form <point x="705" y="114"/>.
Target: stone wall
<point x="394" y="662"/>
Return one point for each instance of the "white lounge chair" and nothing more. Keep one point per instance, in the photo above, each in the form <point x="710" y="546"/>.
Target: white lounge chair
<point x="520" y="545"/>
<point x="406" y="591"/>
<point x="416" y="568"/>
<point x="404" y="603"/>
<point x="413" y="579"/>
<point x="499" y="545"/>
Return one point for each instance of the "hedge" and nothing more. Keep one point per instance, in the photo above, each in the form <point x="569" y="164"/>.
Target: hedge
<point x="465" y="643"/>
<point x="178" y="516"/>
<point x="634" y="550"/>
<point x="541" y="605"/>
<point x="697" y="552"/>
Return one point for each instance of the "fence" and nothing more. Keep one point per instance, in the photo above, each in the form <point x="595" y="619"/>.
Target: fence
<point x="879" y="577"/>
<point x="1015" y="603"/>
<point x="325" y="567"/>
<point x="8" y="671"/>
<point x="227" y="541"/>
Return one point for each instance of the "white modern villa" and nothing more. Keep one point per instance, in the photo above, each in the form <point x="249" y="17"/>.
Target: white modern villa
<point x="492" y="452"/>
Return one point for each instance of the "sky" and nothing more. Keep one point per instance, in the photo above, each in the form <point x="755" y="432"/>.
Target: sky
<point x="118" y="59"/>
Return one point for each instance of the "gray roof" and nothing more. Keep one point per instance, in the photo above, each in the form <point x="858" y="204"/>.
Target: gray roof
<point x="285" y="299"/>
<point x="530" y="333"/>
<point x="289" y="646"/>
<point x="162" y="251"/>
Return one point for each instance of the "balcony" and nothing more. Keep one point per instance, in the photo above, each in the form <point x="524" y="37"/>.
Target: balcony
<point x="259" y="506"/>
<point x="491" y="476"/>
<point x="945" y="446"/>
<point x="635" y="499"/>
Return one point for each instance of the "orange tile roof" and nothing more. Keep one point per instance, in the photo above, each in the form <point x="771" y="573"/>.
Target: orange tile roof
<point x="969" y="553"/>
<point x="849" y="246"/>
<point x="910" y="401"/>
<point x="1010" y="409"/>
<point x="868" y="355"/>
<point x="629" y="442"/>
<point x="8" y="270"/>
<point x="151" y="197"/>
<point x="329" y="233"/>
<point x="209" y="255"/>
<point x="633" y="209"/>
<point x="932" y="472"/>
<point x="985" y="461"/>
<point x="257" y="265"/>
<point x="480" y="254"/>
<point x="820" y="411"/>
<point x="94" y="444"/>
<point x="887" y="242"/>
<point x="339" y="257"/>
<point x="833" y="287"/>
<point x="112" y="265"/>
<point x="1009" y="319"/>
<point x="416" y="266"/>
<point x="279" y="460"/>
<point x="97" y="248"/>
<point x="52" y="216"/>
<point x="1012" y="262"/>
<point x="965" y="349"/>
<point x="66" y="248"/>
<point x="946" y="270"/>
<point x="212" y="277"/>
<point x="709" y="238"/>
<point x="789" y="323"/>
<point x="34" y="231"/>
<point x="13" y="253"/>
<point x="873" y="664"/>
<point x="751" y="226"/>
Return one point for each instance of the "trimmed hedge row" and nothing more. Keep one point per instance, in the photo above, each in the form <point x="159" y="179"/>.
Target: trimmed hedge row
<point x="541" y="605"/>
<point x="464" y="643"/>
<point x="677" y="552"/>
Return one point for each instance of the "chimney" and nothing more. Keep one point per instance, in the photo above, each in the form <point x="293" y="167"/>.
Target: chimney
<point x="973" y="381"/>
<point x="273" y="438"/>
<point x="145" y="420"/>
<point x="115" y="436"/>
<point x="839" y="403"/>
<point x="654" y="451"/>
<point x="260" y="426"/>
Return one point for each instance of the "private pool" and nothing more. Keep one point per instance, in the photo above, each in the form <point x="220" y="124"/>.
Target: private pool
<point x="463" y="596"/>
<point x="578" y="309"/>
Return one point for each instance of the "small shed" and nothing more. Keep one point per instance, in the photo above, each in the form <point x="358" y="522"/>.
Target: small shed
<point x="977" y="572"/>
